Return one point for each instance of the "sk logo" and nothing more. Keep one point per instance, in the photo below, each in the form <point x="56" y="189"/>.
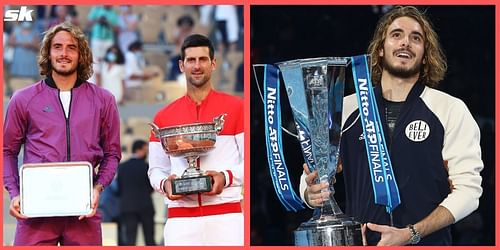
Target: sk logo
<point x="23" y="14"/>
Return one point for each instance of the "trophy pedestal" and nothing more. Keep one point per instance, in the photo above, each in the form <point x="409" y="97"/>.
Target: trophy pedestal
<point x="329" y="231"/>
<point x="192" y="180"/>
<point x="191" y="185"/>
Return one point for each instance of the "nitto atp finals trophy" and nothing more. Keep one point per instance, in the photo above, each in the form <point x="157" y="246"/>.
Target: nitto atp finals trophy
<point x="315" y="88"/>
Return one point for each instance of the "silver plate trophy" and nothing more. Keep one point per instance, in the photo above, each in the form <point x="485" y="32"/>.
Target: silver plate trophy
<point x="56" y="189"/>
<point x="315" y="89"/>
<point x="190" y="141"/>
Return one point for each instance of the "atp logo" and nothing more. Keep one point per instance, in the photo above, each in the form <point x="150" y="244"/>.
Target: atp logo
<point x="20" y="15"/>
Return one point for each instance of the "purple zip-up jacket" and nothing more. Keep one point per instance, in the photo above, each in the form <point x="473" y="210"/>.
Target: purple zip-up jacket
<point x="35" y="117"/>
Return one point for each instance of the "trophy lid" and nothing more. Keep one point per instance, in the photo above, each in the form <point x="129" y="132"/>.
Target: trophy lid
<point x="193" y="128"/>
<point x="341" y="61"/>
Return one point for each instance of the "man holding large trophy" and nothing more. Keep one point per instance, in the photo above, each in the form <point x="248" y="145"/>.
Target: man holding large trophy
<point x="69" y="128"/>
<point x="196" y="156"/>
<point x="409" y="153"/>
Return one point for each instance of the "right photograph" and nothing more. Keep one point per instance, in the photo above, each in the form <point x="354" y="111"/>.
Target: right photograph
<point x="372" y="125"/>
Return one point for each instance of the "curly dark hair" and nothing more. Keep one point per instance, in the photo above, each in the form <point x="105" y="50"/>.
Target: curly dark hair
<point x="435" y="65"/>
<point x="84" y="68"/>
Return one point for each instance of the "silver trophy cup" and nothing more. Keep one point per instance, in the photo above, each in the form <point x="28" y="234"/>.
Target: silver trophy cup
<point x="190" y="141"/>
<point x="315" y="89"/>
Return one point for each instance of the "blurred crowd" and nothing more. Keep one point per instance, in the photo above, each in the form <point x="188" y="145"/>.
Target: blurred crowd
<point x="135" y="47"/>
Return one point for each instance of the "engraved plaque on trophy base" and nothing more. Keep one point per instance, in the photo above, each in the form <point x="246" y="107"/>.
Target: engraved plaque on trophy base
<point x="191" y="185"/>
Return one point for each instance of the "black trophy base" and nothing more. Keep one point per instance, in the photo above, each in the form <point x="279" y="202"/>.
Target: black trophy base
<point x="334" y="231"/>
<point x="191" y="185"/>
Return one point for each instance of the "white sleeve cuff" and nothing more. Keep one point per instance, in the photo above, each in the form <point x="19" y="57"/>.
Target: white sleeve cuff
<point x="464" y="199"/>
<point x="162" y="186"/>
<point x="228" y="175"/>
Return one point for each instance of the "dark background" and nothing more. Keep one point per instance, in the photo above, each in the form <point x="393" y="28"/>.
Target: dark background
<point x="279" y="33"/>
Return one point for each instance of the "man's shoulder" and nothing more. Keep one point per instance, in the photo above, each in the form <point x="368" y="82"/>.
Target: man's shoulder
<point x="437" y="94"/>
<point x="173" y="106"/>
<point x="349" y="107"/>
<point x="444" y="106"/>
<point x="351" y="99"/>
<point x="439" y="100"/>
<point x="97" y="90"/>
<point x="172" y="112"/>
<point x="29" y="92"/>
<point x="224" y="102"/>
<point x="226" y="97"/>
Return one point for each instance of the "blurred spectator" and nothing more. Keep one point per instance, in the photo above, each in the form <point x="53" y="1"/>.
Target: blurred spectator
<point x="127" y="22"/>
<point x="226" y="33"/>
<point x="134" y="66"/>
<point x="108" y="204"/>
<point x="184" y="28"/>
<point x="111" y="74"/>
<point x="63" y="13"/>
<point x="135" y="192"/>
<point x="25" y="42"/>
<point x="41" y="20"/>
<point x="103" y="22"/>
<point x="239" y="86"/>
<point x="206" y="15"/>
<point x="110" y="208"/>
<point x="226" y="18"/>
<point x="8" y="52"/>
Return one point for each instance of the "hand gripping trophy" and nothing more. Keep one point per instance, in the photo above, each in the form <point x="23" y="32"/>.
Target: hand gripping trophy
<point x="190" y="141"/>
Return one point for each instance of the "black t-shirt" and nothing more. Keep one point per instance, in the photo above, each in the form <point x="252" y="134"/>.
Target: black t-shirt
<point x="392" y="110"/>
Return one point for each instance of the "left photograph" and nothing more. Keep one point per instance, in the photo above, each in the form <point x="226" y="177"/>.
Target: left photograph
<point x="123" y="125"/>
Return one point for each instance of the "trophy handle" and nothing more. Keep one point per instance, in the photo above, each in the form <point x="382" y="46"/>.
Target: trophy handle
<point x="219" y="123"/>
<point x="156" y="129"/>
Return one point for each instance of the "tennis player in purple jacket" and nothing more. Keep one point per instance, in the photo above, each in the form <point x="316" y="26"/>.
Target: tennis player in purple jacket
<point x="62" y="118"/>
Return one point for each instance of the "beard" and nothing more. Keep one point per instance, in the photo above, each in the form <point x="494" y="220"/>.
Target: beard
<point x="198" y="82"/>
<point x="401" y="71"/>
<point x="65" y="72"/>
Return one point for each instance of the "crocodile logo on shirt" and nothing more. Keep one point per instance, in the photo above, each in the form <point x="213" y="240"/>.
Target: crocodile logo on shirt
<point x="417" y="130"/>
